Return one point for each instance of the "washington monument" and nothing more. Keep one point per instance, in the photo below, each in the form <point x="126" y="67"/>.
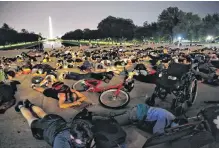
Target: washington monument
<point x="50" y="28"/>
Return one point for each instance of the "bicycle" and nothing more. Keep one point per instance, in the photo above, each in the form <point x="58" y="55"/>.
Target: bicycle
<point x="118" y="95"/>
<point x="204" y="130"/>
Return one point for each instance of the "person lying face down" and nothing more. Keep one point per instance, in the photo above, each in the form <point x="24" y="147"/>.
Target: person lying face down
<point x="54" y="129"/>
<point x="150" y="119"/>
<point x="66" y="97"/>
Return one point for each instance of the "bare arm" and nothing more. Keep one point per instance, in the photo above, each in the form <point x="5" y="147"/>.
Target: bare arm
<point x="81" y="96"/>
<point x="64" y="105"/>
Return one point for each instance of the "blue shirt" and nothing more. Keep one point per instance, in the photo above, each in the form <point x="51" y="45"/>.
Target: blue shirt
<point x="87" y="64"/>
<point x="162" y="117"/>
<point x="62" y="140"/>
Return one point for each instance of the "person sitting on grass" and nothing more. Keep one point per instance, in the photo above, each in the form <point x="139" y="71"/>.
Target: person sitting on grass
<point x="53" y="128"/>
<point x="66" y="97"/>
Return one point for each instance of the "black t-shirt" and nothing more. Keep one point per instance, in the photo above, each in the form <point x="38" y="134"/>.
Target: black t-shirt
<point x="49" y="92"/>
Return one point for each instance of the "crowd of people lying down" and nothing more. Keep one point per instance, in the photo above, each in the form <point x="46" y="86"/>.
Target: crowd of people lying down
<point x="97" y="63"/>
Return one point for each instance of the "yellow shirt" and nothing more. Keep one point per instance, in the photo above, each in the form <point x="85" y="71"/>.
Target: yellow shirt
<point x="165" y="51"/>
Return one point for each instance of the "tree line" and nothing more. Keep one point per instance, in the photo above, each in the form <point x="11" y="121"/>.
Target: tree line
<point x="171" y="23"/>
<point x="9" y="35"/>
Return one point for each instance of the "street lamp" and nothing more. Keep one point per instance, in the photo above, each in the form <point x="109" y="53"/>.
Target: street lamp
<point x="179" y="38"/>
<point x="209" y="38"/>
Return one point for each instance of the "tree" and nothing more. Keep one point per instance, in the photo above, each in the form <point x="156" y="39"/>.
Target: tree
<point x="9" y="36"/>
<point x="145" y="24"/>
<point x="189" y="26"/>
<point x="24" y="31"/>
<point x="116" y="27"/>
<point x="168" y="19"/>
<point x="210" y="25"/>
<point x="86" y="34"/>
<point x="6" y="26"/>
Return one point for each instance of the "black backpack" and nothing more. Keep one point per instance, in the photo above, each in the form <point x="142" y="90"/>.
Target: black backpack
<point x="108" y="134"/>
<point x="7" y="93"/>
<point x="140" y="67"/>
<point x="7" y="98"/>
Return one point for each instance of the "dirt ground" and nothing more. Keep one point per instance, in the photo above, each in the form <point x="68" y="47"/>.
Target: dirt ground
<point x="15" y="133"/>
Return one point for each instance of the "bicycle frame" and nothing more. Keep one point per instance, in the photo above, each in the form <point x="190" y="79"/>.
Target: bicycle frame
<point x="176" y="133"/>
<point x="96" y="88"/>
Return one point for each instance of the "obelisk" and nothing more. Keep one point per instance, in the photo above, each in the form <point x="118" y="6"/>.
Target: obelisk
<point x="50" y="28"/>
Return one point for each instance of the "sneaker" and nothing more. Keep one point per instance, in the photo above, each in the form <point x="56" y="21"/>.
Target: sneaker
<point x="149" y="101"/>
<point x="27" y="103"/>
<point x="33" y="85"/>
<point x="17" y="109"/>
<point x="62" y="76"/>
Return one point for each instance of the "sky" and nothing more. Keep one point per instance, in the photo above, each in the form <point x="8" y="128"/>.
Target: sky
<point x="68" y="16"/>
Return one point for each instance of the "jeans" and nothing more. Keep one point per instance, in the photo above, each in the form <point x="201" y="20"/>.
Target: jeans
<point x="125" y="118"/>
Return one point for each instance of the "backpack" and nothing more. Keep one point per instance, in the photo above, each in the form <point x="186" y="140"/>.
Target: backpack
<point x="60" y="87"/>
<point x="108" y="134"/>
<point x="7" y="98"/>
<point x="140" y="67"/>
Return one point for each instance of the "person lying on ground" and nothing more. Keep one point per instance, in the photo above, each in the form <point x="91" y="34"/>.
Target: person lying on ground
<point x="147" y="118"/>
<point x="6" y="76"/>
<point x="66" y="97"/>
<point x="42" y="70"/>
<point x="49" y="79"/>
<point x="207" y="70"/>
<point x="53" y="128"/>
<point x="86" y="66"/>
<point x="64" y="64"/>
<point x="77" y="76"/>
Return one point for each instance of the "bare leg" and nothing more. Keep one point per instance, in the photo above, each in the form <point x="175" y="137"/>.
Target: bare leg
<point x="27" y="115"/>
<point x="39" y="111"/>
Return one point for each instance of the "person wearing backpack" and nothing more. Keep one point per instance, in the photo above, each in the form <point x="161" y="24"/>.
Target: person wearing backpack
<point x="107" y="133"/>
<point x="53" y="128"/>
<point x="66" y="97"/>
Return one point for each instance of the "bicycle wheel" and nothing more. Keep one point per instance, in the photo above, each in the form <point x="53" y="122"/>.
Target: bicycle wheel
<point x="109" y="99"/>
<point x="192" y="91"/>
<point x="80" y="86"/>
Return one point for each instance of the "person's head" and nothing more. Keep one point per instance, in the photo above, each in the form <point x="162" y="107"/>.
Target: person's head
<point x="11" y="74"/>
<point x="81" y="134"/>
<point x="61" y="87"/>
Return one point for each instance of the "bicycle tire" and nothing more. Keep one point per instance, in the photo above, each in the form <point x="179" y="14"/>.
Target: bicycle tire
<point x="168" y="137"/>
<point x="114" y="107"/>
<point x="192" y="94"/>
<point x="78" y="83"/>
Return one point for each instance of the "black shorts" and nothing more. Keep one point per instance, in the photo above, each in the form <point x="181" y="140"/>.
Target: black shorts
<point x="48" y="127"/>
